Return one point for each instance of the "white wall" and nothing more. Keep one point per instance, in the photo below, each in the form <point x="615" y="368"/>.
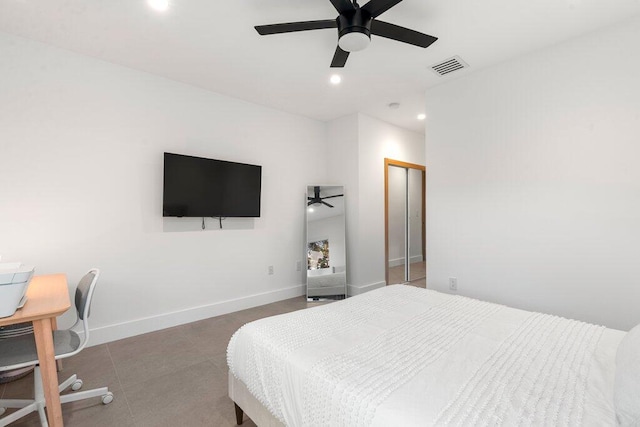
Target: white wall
<point x="379" y="140"/>
<point x="81" y="144"/>
<point x="360" y="144"/>
<point x="533" y="185"/>
<point x="342" y="169"/>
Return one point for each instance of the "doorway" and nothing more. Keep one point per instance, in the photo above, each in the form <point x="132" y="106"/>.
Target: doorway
<point x="404" y="207"/>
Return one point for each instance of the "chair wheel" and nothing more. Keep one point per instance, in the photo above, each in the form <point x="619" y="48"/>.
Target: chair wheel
<point x="77" y="385"/>
<point x="107" y="398"/>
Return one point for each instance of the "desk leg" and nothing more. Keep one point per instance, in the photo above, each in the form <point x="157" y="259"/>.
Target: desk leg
<point x="46" y="356"/>
<point x="54" y="326"/>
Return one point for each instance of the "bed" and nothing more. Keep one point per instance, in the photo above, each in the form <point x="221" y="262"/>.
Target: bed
<point x="401" y="355"/>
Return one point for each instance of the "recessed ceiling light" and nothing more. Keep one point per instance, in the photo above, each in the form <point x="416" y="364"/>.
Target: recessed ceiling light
<point x="310" y="209"/>
<point x="159" y="5"/>
<point x="335" y="79"/>
<point x="422" y="116"/>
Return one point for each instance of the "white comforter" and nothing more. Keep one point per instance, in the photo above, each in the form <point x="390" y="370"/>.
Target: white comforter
<point x="406" y="356"/>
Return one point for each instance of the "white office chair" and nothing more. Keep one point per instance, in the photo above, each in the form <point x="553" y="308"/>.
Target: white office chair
<point x="21" y="351"/>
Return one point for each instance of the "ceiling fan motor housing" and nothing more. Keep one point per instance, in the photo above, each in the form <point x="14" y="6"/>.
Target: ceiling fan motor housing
<point x="355" y="26"/>
<point x="352" y="27"/>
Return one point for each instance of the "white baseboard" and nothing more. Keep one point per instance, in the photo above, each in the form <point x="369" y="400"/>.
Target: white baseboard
<point x="416" y="258"/>
<point x="167" y="320"/>
<point x="400" y="261"/>
<point x="357" y="290"/>
<point x="396" y="262"/>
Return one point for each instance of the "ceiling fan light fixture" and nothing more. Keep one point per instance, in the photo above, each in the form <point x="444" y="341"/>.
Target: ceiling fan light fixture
<point x="354" y="41"/>
<point x="355" y="25"/>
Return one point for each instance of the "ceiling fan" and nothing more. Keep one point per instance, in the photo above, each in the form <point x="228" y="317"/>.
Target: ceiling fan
<point x="316" y="199"/>
<point x="355" y="25"/>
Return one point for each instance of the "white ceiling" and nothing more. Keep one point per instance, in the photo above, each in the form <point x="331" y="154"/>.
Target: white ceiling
<point x="212" y="44"/>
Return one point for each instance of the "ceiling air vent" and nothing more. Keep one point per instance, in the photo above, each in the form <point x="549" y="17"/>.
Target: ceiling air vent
<point x="450" y="65"/>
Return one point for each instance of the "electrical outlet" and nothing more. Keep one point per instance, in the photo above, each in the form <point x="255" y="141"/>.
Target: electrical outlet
<point x="270" y="270"/>
<point x="453" y="283"/>
<point x="298" y="265"/>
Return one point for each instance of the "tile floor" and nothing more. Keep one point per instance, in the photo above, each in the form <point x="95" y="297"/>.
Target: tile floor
<point x="416" y="269"/>
<point x="173" y="377"/>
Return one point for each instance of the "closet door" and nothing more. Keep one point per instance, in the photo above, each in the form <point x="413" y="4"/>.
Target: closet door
<point x="415" y="219"/>
<point x="397" y="225"/>
<point x="405" y="223"/>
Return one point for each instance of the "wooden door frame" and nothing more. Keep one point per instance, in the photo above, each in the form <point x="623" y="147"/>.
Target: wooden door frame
<point x="391" y="162"/>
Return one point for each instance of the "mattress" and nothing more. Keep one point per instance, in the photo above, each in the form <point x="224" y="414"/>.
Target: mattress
<point x="401" y="355"/>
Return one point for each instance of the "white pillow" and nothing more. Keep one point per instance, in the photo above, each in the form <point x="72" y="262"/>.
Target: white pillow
<point x="626" y="394"/>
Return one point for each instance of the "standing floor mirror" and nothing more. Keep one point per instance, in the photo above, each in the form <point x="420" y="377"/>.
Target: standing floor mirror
<point x="326" y="248"/>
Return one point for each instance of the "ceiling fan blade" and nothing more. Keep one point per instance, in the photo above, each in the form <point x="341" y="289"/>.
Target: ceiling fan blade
<point x="291" y="27"/>
<point x="337" y="195"/>
<point x="325" y="203"/>
<point x="342" y="6"/>
<point x="378" y="7"/>
<point x="401" y="34"/>
<point x="339" y="58"/>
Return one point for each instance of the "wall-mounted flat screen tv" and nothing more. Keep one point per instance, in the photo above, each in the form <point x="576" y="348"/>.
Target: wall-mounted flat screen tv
<point x="199" y="187"/>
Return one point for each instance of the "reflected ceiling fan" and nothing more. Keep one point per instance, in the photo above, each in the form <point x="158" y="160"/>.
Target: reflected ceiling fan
<point x="355" y="25"/>
<point x="316" y="199"/>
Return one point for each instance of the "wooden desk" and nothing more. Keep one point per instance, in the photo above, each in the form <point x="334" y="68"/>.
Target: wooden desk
<point x="47" y="298"/>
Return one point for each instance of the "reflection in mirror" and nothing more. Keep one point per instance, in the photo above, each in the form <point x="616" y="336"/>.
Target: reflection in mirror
<point x="415" y="214"/>
<point x="326" y="249"/>
<point x="397" y="224"/>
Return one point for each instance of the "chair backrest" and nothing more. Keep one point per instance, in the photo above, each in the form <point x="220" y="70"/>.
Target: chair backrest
<point x="84" y="293"/>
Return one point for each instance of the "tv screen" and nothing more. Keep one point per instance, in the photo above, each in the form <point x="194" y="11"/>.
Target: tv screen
<point x="199" y="187"/>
